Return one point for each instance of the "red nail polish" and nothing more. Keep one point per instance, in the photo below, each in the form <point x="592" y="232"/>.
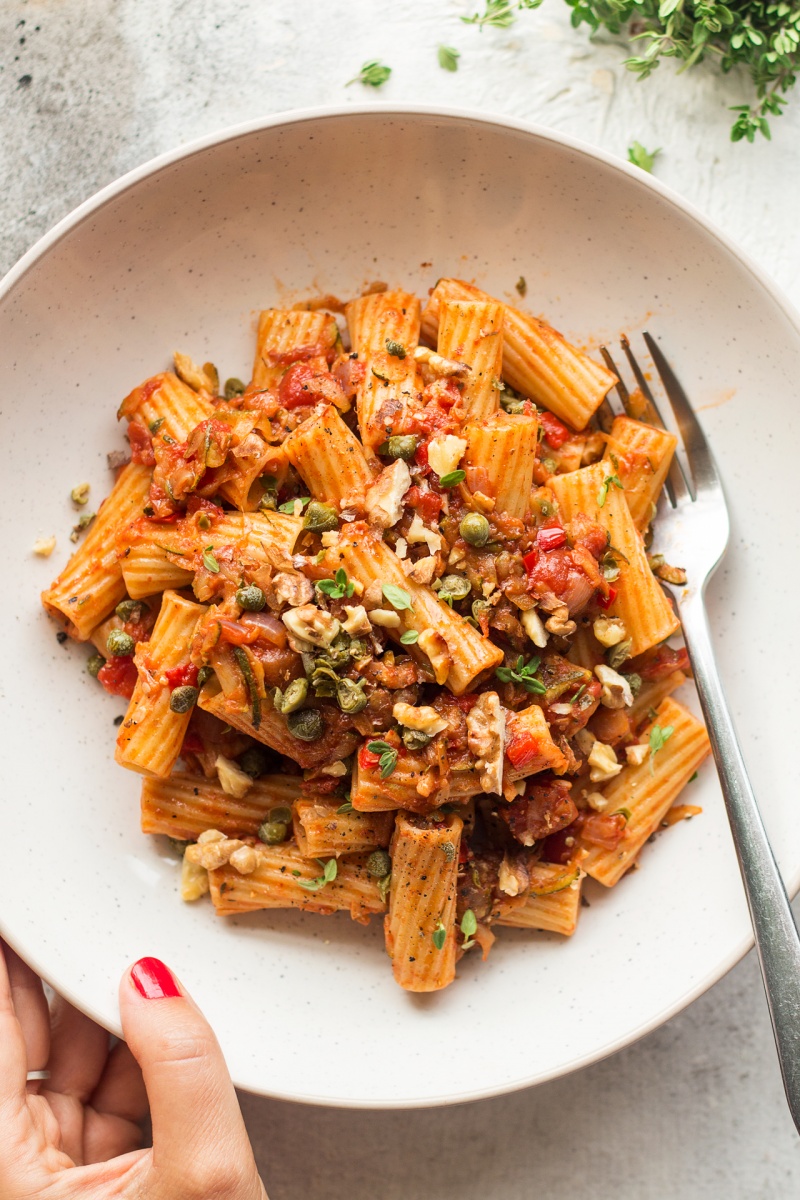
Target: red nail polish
<point x="153" y="980"/>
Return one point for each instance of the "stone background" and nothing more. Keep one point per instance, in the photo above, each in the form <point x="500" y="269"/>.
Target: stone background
<point x="91" y="88"/>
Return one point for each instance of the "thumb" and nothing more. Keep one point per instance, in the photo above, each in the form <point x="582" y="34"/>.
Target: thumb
<point x="200" y="1145"/>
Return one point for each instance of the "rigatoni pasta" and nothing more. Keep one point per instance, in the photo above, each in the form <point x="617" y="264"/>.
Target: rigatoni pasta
<point x="383" y="614"/>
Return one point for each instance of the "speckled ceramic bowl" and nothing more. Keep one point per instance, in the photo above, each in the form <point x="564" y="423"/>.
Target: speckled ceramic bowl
<point x="181" y="254"/>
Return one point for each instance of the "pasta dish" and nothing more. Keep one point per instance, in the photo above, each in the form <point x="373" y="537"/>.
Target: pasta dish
<point x="388" y="626"/>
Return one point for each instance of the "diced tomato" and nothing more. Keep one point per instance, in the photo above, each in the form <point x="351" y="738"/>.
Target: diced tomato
<point x="197" y="503"/>
<point x="367" y="760"/>
<point x="522" y="750"/>
<point x="662" y="663"/>
<point x="466" y="703"/>
<point x="560" y="847"/>
<point x="294" y="388"/>
<point x="530" y="560"/>
<point x="428" y="504"/>
<point x="551" y="538"/>
<point x="183" y="676"/>
<point x="463" y="851"/>
<point x="118" y="675"/>
<point x="141" y="445"/>
<point x="555" y="431"/>
<point x="421" y="455"/>
<point x="192" y="743"/>
<point x="605" y="602"/>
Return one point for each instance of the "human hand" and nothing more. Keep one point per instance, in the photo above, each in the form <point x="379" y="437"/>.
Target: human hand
<point x="77" y="1134"/>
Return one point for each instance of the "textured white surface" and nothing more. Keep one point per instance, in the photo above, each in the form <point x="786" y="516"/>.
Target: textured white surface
<point x="695" y="1110"/>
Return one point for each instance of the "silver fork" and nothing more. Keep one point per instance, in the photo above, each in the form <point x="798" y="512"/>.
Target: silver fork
<point x="692" y="532"/>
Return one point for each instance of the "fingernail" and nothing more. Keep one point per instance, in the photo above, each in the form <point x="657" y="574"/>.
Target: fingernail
<point x="153" y="980"/>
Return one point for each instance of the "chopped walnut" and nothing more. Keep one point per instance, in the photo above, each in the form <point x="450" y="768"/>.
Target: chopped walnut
<point x="244" y="860"/>
<point x="44" y="547"/>
<point x="292" y="588"/>
<point x="421" y="571"/>
<point x="637" y="753"/>
<point x="609" y="631"/>
<point x="559" y="623"/>
<point x="357" y="620"/>
<point x="616" y="691"/>
<point x="445" y="453"/>
<point x="212" y="854"/>
<point x="418" y="532"/>
<point x="422" y="718"/>
<point x="384" y="499"/>
<point x="385" y="618"/>
<point x="513" y="878"/>
<point x="232" y="779"/>
<point x="532" y="624"/>
<point x="433" y="645"/>
<point x="596" y="800"/>
<point x="486" y="728"/>
<point x="194" y="881"/>
<point x="310" y="624"/>
<point x="603" y="763"/>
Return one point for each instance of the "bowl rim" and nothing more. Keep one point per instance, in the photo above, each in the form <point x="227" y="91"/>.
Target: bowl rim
<point x="299" y="116"/>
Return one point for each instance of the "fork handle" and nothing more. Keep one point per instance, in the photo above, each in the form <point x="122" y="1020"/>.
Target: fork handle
<point x="776" y="937"/>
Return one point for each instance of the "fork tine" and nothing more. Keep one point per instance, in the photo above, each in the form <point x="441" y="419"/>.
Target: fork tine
<point x="698" y="452"/>
<point x="678" y="484"/>
<point x="605" y="413"/>
<point x="625" y="397"/>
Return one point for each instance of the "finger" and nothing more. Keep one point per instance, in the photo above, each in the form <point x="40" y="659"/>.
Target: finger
<point x="78" y="1052"/>
<point x="30" y="1005"/>
<point x="106" y="1137"/>
<point x="198" y="1131"/>
<point x="13" y="1061"/>
<point x="121" y="1091"/>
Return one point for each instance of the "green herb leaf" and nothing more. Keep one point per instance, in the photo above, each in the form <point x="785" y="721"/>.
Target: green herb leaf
<point x="347" y="807"/>
<point x="658" y="739"/>
<point x="641" y="157"/>
<point x="439" y="936"/>
<point x="498" y="14"/>
<point x="288" y="507"/>
<point x="410" y="637"/>
<point x="372" y="74"/>
<point x="452" y="478"/>
<point x="398" y="597"/>
<point x="448" y="58"/>
<point x="209" y="561"/>
<point x="388" y="757"/>
<point x="469" y="924"/>
<point x="523" y="674"/>
<point x="329" y="870"/>
<point x="338" y="587"/>
<point x="607" y="483"/>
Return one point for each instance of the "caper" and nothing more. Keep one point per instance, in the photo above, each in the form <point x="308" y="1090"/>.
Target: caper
<point x="379" y="864"/>
<point x="204" y="674"/>
<point x="474" y="528"/>
<point x="402" y="446"/>
<point x="350" y="696"/>
<point x="272" y="833"/>
<point x="293" y="698"/>
<point x="415" y="739"/>
<point x="282" y="814"/>
<point x="119" y="643"/>
<point x="251" y="598"/>
<point x="618" y="654"/>
<point x="95" y="665"/>
<point x="233" y="387"/>
<point x="320" y="517"/>
<point x="457" y="587"/>
<point x="183" y="699"/>
<point x="479" y="607"/>
<point x="254" y="761"/>
<point x="357" y="648"/>
<point x="130" y="610"/>
<point x="268" y="502"/>
<point x="306" y="724"/>
<point x="510" y="402"/>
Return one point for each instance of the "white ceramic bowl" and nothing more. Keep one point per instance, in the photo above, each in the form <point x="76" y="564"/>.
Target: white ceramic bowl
<point x="181" y="254"/>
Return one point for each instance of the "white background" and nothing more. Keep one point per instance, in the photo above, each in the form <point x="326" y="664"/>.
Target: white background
<point x="696" y="1110"/>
